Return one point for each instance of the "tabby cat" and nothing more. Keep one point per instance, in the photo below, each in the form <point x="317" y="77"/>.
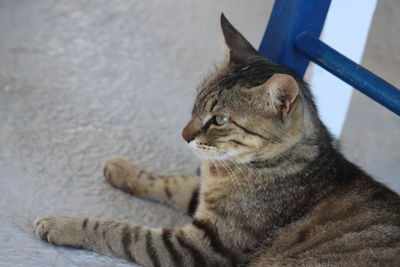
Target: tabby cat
<point x="273" y="191"/>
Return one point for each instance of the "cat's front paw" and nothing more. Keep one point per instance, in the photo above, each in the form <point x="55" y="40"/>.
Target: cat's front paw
<point x="123" y="174"/>
<point x="59" y="230"/>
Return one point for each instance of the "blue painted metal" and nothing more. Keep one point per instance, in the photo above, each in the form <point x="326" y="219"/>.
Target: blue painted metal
<point x="291" y="39"/>
<point x="288" y="19"/>
<point x="350" y="72"/>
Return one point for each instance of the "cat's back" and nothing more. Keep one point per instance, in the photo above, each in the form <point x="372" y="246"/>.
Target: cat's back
<point x="357" y="225"/>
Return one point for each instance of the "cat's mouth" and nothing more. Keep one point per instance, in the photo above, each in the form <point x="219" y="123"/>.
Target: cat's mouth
<point x="208" y="151"/>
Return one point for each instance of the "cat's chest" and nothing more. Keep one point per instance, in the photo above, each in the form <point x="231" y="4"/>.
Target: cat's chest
<point x="229" y="192"/>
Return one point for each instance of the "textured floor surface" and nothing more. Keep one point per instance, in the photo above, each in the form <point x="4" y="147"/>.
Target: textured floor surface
<point x="81" y="81"/>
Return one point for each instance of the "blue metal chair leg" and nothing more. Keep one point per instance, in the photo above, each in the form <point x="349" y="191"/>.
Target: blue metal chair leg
<point x="291" y="39"/>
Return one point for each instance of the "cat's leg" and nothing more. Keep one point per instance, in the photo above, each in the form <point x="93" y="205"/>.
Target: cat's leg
<point x="177" y="190"/>
<point x="196" y="244"/>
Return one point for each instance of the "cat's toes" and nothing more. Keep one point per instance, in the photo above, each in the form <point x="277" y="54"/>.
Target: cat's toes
<point x="48" y="227"/>
<point x="114" y="170"/>
<point x="118" y="171"/>
<point x="58" y="230"/>
<point x="43" y="226"/>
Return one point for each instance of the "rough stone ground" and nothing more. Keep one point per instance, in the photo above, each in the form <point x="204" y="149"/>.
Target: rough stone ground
<point x="81" y="81"/>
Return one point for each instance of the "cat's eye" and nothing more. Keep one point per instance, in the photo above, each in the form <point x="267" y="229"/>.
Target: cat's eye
<point x="221" y="119"/>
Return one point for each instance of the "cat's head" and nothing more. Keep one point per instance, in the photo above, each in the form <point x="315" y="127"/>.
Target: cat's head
<point x="250" y="108"/>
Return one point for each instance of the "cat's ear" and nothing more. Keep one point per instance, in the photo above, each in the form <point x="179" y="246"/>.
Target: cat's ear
<point x="240" y="50"/>
<point x="280" y="92"/>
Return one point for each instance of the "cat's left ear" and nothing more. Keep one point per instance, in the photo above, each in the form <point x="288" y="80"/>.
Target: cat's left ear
<point x="281" y="92"/>
<point x="240" y="50"/>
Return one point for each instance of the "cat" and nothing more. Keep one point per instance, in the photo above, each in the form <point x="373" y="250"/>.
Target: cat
<point x="274" y="189"/>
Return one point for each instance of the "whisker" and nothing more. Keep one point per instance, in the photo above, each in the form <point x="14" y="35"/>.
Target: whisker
<point x="233" y="176"/>
<point x="243" y="174"/>
<point x="238" y="165"/>
<point x="231" y="159"/>
<point x="223" y="161"/>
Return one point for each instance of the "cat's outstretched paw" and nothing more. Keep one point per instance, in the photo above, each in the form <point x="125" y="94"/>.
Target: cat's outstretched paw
<point x="59" y="230"/>
<point x="123" y="175"/>
<point x="43" y="226"/>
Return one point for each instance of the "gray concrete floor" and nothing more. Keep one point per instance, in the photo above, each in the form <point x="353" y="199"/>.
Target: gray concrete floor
<point x="81" y="81"/>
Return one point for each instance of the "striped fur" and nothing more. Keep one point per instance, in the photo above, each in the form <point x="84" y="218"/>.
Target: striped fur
<point x="274" y="190"/>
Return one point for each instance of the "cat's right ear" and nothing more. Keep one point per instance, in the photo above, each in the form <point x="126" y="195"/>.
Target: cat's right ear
<point x="240" y="50"/>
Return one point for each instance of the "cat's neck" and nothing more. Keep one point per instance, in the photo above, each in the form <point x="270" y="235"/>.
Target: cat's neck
<point x="308" y="163"/>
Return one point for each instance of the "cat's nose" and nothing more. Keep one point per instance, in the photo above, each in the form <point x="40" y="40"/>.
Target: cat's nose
<point x="187" y="135"/>
<point x="191" y="130"/>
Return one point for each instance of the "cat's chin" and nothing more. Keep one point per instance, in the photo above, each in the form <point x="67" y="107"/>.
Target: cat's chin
<point x="208" y="154"/>
<point x="204" y="155"/>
